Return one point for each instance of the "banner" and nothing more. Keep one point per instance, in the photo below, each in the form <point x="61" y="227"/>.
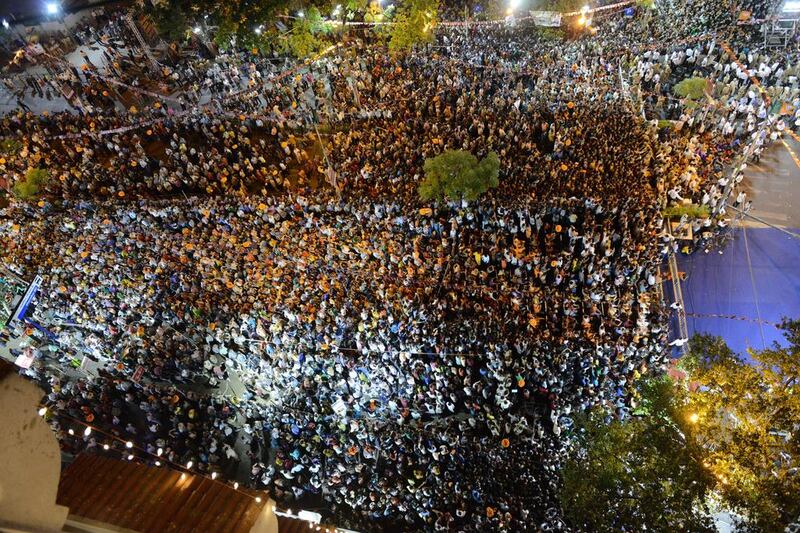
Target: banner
<point x="22" y="305"/>
<point x="549" y="19"/>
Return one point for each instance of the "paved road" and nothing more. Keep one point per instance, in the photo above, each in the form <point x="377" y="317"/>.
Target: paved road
<point x="8" y="101"/>
<point x="773" y="184"/>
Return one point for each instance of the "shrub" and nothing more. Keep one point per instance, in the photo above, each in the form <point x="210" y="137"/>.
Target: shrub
<point x="35" y="180"/>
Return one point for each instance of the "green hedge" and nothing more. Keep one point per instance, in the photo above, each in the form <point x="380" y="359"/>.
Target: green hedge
<point x="691" y="210"/>
<point x="31" y="186"/>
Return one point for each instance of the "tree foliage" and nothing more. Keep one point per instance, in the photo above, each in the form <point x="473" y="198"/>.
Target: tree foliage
<point x="231" y="20"/>
<point x="414" y="24"/>
<point x="690" y="210"/>
<point x="728" y="433"/>
<point x="691" y="88"/>
<point x="749" y="418"/>
<point x="31" y="186"/>
<point x="457" y="174"/>
<point x="10" y="146"/>
<point x="640" y="474"/>
<point x="170" y="19"/>
<point x="304" y="39"/>
<point x="563" y="6"/>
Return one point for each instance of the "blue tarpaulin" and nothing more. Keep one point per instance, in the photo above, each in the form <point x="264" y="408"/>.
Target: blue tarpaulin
<point x="725" y="294"/>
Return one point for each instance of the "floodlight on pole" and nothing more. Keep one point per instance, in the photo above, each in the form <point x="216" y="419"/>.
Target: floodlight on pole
<point x="52" y="8"/>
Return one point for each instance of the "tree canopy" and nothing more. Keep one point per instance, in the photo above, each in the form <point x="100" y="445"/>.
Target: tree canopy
<point x="691" y="88"/>
<point x="414" y="24"/>
<point x="237" y="20"/>
<point x="748" y="414"/>
<point x="30" y="187"/>
<point x="457" y="174"/>
<point x="637" y="474"/>
<point x="728" y="435"/>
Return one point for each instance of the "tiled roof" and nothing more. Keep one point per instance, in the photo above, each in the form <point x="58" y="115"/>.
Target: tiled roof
<point x="142" y="498"/>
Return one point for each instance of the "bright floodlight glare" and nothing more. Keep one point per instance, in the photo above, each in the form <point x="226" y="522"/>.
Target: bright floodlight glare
<point x="5" y="24"/>
<point x="585" y="9"/>
<point x="196" y="30"/>
<point x="513" y="4"/>
<point x="52" y="8"/>
<point x="301" y="14"/>
<point x="581" y="20"/>
<point x="791" y="6"/>
<point x="258" y="30"/>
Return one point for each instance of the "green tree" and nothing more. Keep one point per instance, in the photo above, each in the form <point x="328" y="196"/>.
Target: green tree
<point x="30" y="187"/>
<point x="747" y="416"/>
<point x="10" y="146"/>
<point x="305" y="37"/>
<point x="354" y="7"/>
<point x="690" y="210"/>
<point x="564" y="6"/>
<point x="414" y="23"/>
<point x="637" y="474"/>
<point x="691" y="88"/>
<point x="457" y="174"/>
<point x="232" y="20"/>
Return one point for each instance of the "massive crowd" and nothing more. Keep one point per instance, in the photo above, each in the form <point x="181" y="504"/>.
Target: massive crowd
<point x="414" y="365"/>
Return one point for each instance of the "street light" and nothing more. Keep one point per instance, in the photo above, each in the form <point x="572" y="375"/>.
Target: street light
<point x="5" y="24"/>
<point x="693" y="418"/>
<point x="301" y="14"/>
<point x="52" y="8"/>
<point x="196" y="30"/>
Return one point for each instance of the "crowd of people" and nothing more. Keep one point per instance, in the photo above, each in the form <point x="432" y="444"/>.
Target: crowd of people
<point x="414" y="365"/>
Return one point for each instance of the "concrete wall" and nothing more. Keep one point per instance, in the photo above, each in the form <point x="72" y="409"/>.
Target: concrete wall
<point x="30" y="460"/>
<point x="266" y="522"/>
